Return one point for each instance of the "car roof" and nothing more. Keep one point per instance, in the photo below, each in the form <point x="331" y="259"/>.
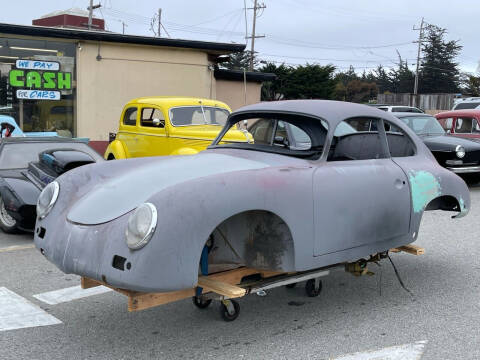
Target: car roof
<point x="464" y="112"/>
<point x="329" y="110"/>
<point x="177" y="100"/>
<point x="39" y="139"/>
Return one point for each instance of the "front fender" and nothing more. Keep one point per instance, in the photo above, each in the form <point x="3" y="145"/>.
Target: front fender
<point x="115" y="149"/>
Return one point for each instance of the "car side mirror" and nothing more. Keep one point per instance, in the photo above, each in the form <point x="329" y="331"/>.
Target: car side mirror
<point x="156" y="122"/>
<point x="449" y="131"/>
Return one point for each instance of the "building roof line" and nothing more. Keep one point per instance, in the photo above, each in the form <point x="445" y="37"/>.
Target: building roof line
<point x="80" y="34"/>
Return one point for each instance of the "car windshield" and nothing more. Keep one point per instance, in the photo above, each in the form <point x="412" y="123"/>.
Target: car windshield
<point x="406" y="109"/>
<point x="423" y="125"/>
<point x="17" y="156"/>
<point x="198" y="115"/>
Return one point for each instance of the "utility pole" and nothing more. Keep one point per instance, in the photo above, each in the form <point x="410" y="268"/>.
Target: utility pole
<point x="420" y="39"/>
<point x="90" y="13"/>
<point x="123" y="27"/>
<point x="253" y="36"/>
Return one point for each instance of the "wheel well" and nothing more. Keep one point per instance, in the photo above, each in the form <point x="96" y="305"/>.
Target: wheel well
<point x="111" y="157"/>
<point x="258" y="239"/>
<point x="446" y="203"/>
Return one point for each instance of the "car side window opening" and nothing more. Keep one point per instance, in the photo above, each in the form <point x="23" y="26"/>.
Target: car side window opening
<point x="130" y="116"/>
<point x="152" y="117"/>
<point x="399" y="143"/>
<point x="476" y="127"/>
<point x="464" y="125"/>
<point x="305" y="139"/>
<point x="364" y="143"/>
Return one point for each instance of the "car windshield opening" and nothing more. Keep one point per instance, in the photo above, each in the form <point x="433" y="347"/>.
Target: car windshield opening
<point x="294" y="136"/>
<point x="198" y="115"/>
<point x="423" y="125"/>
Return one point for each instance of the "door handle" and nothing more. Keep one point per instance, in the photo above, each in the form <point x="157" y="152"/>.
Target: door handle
<point x="399" y="183"/>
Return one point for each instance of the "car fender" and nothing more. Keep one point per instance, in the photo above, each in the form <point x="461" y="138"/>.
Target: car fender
<point x="116" y="149"/>
<point x="184" y="151"/>
<point x="17" y="193"/>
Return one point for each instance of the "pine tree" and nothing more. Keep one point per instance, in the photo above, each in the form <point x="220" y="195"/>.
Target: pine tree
<point x="439" y="72"/>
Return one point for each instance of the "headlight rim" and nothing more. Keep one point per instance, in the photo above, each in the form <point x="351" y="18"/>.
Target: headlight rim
<point x="460" y="149"/>
<point x="51" y="203"/>
<point x="151" y="229"/>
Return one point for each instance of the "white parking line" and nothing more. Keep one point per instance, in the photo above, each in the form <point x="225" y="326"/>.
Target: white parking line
<point x="17" y="312"/>
<point x="69" y="294"/>
<point x="16" y="247"/>
<point x="402" y="352"/>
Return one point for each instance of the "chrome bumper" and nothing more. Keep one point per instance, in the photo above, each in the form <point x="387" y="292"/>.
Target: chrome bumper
<point x="465" y="169"/>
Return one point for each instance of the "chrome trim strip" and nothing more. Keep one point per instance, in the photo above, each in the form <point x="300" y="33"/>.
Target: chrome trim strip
<point x="465" y="169"/>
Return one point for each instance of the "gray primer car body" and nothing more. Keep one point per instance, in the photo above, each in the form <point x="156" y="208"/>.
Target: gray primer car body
<point x="262" y="210"/>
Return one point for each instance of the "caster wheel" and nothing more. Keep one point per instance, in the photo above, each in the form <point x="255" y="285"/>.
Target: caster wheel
<point x="229" y="310"/>
<point x="311" y="289"/>
<point x="291" y="286"/>
<point x="200" y="302"/>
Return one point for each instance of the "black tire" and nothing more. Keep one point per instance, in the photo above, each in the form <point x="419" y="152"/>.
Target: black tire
<point x="224" y="312"/>
<point x="7" y="223"/>
<point x="200" y="302"/>
<point x="111" y="157"/>
<point x="310" y="288"/>
<point x="291" y="286"/>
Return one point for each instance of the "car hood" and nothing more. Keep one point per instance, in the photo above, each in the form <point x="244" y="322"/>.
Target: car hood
<point x="449" y="143"/>
<point x="116" y="187"/>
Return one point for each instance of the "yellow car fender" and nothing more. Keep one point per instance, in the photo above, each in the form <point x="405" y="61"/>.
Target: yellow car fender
<point x="185" y="151"/>
<point x="116" y="150"/>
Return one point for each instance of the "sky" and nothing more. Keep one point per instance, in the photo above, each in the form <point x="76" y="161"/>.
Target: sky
<point x="362" y="33"/>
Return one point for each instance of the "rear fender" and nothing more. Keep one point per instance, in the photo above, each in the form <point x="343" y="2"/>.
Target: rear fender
<point x="184" y="151"/>
<point x="115" y="149"/>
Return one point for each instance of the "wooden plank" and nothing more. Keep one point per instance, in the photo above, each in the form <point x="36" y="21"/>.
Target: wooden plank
<point x="220" y="287"/>
<point x="411" y="249"/>
<point x="87" y="283"/>
<point x="142" y="301"/>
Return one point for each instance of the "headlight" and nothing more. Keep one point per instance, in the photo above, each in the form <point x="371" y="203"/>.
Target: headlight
<point x="47" y="199"/>
<point x="141" y="226"/>
<point x="460" y="150"/>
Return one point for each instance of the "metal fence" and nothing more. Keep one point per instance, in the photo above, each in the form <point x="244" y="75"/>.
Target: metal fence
<point x="422" y="101"/>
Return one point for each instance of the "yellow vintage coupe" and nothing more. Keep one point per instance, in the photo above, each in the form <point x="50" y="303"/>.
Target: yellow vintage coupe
<point x="158" y="126"/>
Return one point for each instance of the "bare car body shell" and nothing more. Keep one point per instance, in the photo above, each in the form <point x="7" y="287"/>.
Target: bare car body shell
<point x="264" y="210"/>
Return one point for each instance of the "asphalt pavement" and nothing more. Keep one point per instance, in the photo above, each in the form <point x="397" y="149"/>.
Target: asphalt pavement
<point x="352" y="314"/>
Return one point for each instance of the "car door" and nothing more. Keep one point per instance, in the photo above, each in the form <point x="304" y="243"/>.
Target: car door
<point x="153" y="137"/>
<point x="128" y="133"/>
<point x="361" y="195"/>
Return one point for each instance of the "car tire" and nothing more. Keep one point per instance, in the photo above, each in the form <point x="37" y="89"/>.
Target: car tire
<point x="7" y="223"/>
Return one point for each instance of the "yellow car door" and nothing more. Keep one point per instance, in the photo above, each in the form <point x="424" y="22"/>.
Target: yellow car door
<point x="153" y="135"/>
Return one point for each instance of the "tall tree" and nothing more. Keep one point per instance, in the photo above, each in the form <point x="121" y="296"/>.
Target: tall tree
<point x="274" y="90"/>
<point x="311" y="81"/>
<point x="239" y="61"/>
<point x="439" y="72"/>
<point x="471" y="85"/>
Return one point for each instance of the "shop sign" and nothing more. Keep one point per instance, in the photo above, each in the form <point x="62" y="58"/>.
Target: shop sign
<point x="38" y="95"/>
<point x="42" y="79"/>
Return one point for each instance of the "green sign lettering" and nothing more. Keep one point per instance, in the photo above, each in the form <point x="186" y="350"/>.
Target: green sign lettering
<point x="34" y="80"/>
<point x="40" y="80"/>
<point x="49" y="80"/>
<point x="64" y="81"/>
<point x="14" y="75"/>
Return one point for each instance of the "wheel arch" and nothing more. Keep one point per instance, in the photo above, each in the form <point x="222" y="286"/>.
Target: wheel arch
<point x="115" y="149"/>
<point x="257" y="238"/>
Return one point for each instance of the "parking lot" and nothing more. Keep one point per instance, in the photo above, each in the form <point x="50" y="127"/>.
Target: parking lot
<point x="351" y="314"/>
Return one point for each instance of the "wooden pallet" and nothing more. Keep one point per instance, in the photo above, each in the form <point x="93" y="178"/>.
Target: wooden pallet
<point x="411" y="249"/>
<point x="223" y="283"/>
